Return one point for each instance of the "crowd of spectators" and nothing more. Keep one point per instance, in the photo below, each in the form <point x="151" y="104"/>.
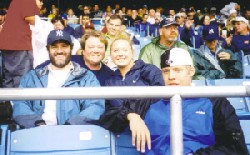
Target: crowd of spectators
<point x="55" y="48"/>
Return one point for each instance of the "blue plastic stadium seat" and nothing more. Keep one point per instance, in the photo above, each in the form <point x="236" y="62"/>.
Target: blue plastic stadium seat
<point x="246" y="72"/>
<point x="3" y="137"/>
<point x="137" y="49"/>
<point x="144" y="41"/>
<point x="124" y="145"/>
<point x="73" y="25"/>
<point x="245" y="125"/>
<point x="97" y="21"/>
<point x="239" y="103"/>
<point x="63" y="140"/>
<point x="198" y="82"/>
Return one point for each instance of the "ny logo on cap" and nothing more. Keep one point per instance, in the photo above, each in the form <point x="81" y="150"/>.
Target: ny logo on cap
<point x="59" y="33"/>
<point x="211" y="31"/>
<point x="168" y="62"/>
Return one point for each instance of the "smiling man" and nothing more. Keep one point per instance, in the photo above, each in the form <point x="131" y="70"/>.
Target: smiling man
<point x="167" y="40"/>
<point x="61" y="72"/>
<point x="93" y="45"/>
<point x="114" y="29"/>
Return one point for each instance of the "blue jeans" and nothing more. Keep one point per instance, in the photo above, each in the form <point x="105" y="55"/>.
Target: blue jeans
<point x="16" y="64"/>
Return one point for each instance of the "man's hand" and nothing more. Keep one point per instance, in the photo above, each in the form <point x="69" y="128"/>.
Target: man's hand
<point x="140" y="132"/>
<point x="224" y="56"/>
<point x="229" y="40"/>
<point x="189" y="23"/>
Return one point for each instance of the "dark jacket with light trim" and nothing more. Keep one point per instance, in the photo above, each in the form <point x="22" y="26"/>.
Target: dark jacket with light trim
<point x="141" y="74"/>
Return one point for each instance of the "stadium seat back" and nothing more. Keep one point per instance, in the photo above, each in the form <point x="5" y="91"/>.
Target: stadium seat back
<point x="63" y="140"/>
<point x="239" y="103"/>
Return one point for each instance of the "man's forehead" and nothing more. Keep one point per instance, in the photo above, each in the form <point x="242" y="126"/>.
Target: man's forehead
<point x="115" y="21"/>
<point x="60" y="42"/>
<point x="169" y="26"/>
<point x="175" y="67"/>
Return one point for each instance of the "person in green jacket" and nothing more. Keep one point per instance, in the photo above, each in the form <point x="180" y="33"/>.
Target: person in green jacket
<point x="167" y="40"/>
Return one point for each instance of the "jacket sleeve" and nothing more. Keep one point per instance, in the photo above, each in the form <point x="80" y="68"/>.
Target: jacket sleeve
<point x="91" y="109"/>
<point x="145" y="55"/>
<point x="23" y="110"/>
<point x="186" y="36"/>
<point x="115" y="117"/>
<point x="152" y="75"/>
<point x="204" y="69"/>
<point x="229" y="137"/>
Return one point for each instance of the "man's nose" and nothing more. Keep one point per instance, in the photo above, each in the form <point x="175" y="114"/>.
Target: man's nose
<point x="59" y="50"/>
<point x="171" y="74"/>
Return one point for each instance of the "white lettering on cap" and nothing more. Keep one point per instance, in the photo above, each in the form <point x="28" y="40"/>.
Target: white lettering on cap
<point x="59" y="33"/>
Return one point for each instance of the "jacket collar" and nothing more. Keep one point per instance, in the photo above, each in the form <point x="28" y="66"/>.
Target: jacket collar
<point x="75" y="74"/>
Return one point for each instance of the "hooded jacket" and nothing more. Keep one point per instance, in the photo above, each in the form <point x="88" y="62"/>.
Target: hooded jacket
<point x="76" y="112"/>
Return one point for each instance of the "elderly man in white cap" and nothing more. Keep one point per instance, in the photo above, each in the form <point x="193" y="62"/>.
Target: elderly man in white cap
<point x="210" y="126"/>
<point x="241" y="41"/>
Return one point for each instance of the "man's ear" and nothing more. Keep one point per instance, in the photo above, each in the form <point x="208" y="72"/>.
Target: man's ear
<point x="160" y="31"/>
<point x="192" y="71"/>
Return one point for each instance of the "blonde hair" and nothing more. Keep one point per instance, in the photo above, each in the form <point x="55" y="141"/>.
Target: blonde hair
<point x="122" y="36"/>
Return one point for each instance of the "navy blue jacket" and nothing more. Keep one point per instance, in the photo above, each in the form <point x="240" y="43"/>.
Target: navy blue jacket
<point x="103" y="74"/>
<point x="141" y="74"/>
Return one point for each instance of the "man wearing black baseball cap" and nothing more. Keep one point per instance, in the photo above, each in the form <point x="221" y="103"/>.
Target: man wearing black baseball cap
<point x="213" y="61"/>
<point x="167" y="40"/>
<point x="61" y="72"/>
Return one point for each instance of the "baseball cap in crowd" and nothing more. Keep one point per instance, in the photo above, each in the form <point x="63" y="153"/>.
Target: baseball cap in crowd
<point x="176" y="57"/>
<point x="213" y="9"/>
<point x="232" y="11"/>
<point x="167" y="22"/>
<point x="210" y="32"/>
<point x="56" y="35"/>
<point x="191" y="10"/>
<point x="63" y="16"/>
<point x="182" y="10"/>
<point x="240" y="19"/>
<point x="2" y="12"/>
<point x="179" y="15"/>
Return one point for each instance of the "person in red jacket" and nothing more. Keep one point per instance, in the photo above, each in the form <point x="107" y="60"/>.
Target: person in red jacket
<point x="15" y="40"/>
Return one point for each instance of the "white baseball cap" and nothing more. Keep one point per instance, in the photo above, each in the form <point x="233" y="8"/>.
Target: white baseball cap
<point x="240" y="19"/>
<point x="232" y="11"/>
<point x="176" y="57"/>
